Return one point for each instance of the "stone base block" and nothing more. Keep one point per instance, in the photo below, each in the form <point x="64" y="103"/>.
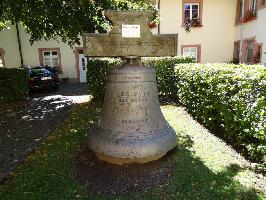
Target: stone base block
<point x="124" y="161"/>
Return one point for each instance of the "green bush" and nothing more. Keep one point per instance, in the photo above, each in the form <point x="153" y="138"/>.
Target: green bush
<point x="166" y="78"/>
<point x="96" y="75"/>
<point x="13" y="84"/>
<point x="230" y="99"/>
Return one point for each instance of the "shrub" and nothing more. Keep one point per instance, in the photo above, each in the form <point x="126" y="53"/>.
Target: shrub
<point x="230" y="98"/>
<point x="13" y="84"/>
<point x="96" y="75"/>
<point x="165" y="75"/>
<point x="166" y="78"/>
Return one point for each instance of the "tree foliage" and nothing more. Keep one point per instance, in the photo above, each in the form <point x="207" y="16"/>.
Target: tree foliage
<point x="63" y="19"/>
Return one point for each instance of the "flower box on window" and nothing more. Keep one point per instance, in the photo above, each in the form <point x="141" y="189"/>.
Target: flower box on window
<point x="192" y="23"/>
<point x="250" y="15"/>
<point x="152" y="25"/>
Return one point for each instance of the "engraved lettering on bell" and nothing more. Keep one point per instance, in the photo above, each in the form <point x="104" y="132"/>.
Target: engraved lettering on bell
<point x="132" y="127"/>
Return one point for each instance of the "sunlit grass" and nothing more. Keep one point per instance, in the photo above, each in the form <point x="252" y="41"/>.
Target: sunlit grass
<point x="205" y="168"/>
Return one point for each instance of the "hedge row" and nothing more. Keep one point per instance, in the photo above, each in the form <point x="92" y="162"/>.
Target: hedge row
<point x="166" y="78"/>
<point x="13" y="84"/>
<point x="96" y="75"/>
<point x="230" y="99"/>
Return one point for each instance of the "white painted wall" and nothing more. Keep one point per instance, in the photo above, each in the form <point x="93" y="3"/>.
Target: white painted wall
<point x="8" y="41"/>
<point x="255" y="28"/>
<point x="217" y="34"/>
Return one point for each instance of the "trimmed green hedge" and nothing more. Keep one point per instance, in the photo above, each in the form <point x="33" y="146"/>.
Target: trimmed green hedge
<point x="166" y="78"/>
<point x="13" y="84"/>
<point x="229" y="99"/>
<point x="96" y="75"/>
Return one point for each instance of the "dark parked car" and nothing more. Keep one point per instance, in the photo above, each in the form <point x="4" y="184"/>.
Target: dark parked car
<point x="43" y="77"/>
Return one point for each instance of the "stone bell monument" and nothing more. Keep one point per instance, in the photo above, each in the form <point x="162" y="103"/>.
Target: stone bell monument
<point x="131" y="128"/>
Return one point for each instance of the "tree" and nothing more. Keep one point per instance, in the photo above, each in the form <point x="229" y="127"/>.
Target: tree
<point x="63" y="19"/>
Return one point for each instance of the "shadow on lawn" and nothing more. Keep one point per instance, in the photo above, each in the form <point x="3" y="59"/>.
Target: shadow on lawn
<point x="26" y="125"/>
<point x="193" y="180"/>
<point x="65" y="89"/>
<point x="49" y="173"/>
<point x="178" y="175"/>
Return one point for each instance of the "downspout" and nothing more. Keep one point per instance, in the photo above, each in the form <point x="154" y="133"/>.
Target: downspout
<point x="242" y="32"/>
<point x="19" y="45"/>
<point x="159" y="8"/>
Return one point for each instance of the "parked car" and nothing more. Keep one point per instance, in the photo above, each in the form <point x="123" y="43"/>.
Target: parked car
<point x="43" y="77"/>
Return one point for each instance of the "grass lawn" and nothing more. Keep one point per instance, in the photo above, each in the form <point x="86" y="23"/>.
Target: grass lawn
<point x="206" y="168"/>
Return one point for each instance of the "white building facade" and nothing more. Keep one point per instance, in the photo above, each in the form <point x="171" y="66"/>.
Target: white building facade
<point x="70" y="61"/>
<point x="254" y="31"/>
<point x="215" y="34"/>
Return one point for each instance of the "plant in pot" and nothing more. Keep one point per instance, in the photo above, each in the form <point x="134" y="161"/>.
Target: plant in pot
<point x="192" y="23"/>
<point x="155" y="19"/>
<point x="250" y="15"/>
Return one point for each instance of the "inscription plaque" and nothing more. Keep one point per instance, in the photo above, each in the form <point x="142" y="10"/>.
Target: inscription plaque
<point x="130" y="31"/>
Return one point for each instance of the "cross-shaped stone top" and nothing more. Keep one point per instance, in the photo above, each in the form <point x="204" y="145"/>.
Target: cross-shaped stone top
<point x="130" y="36"/>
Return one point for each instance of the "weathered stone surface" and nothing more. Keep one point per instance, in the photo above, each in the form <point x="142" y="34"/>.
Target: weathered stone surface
<point x="131" y="126"/>
<point x="115" y="45"/>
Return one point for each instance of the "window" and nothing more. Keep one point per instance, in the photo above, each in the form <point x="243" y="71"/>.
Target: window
<point x="50" y="57"/>
<point x="252" y="51"/>
<point x="2" y="61"/>
<point x="250" y="10"/>
<point x="192" y="13"/>
<point x="240" y="9"/>
<point x="257" y="53"/>
<point x="252" y="5"/>
<point x="191" y="50"/>
<point x="253" y="8"/>
<point x="249" y="51"/>
<point x="236" y="52"/>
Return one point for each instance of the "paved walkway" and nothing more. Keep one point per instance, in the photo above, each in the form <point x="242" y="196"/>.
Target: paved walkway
<point x="25" y="125"/>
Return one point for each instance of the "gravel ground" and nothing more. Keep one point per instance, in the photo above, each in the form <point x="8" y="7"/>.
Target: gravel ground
<point x="24" y="125"/>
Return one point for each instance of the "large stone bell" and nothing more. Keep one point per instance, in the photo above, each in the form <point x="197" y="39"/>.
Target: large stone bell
<point x="131" y="126"/>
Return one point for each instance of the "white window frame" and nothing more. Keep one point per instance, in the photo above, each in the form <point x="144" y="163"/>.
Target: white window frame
<point x="190" y="48"/>
<point x="250" y="51"/>
<point x="2" y="60"/>
<point x="51" y="57"/>
<point x="190" y="13"/>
